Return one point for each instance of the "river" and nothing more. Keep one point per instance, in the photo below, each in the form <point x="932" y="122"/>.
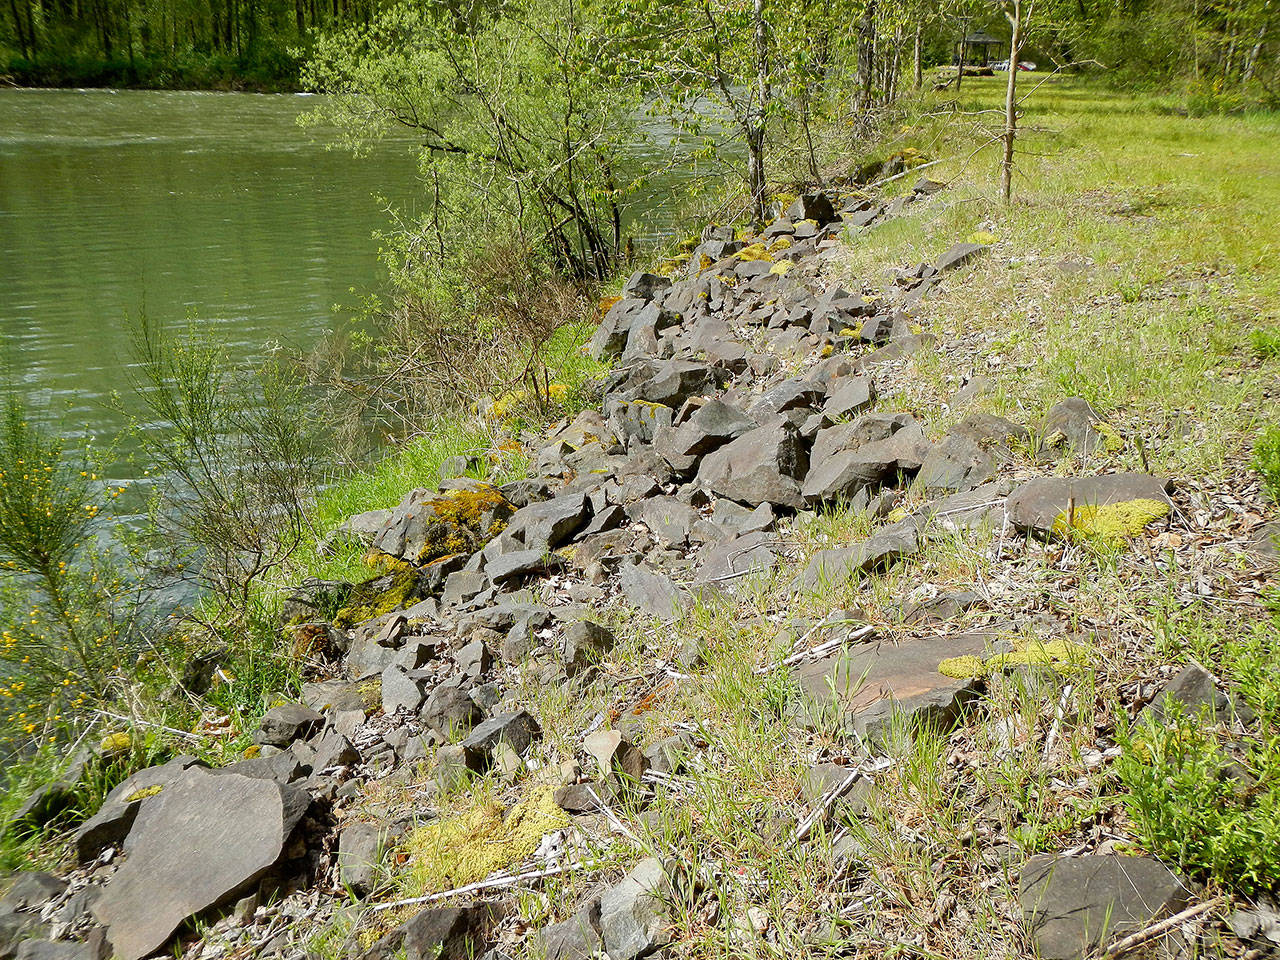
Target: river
<point x="213" y="206"/>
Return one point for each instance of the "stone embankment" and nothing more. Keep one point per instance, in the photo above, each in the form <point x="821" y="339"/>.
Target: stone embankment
<point x="744" y="391"/>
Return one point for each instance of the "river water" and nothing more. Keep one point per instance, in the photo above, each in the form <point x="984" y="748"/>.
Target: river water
<point x="183" y="205"/>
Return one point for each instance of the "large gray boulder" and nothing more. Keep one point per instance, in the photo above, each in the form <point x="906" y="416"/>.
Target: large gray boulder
<point x="198" y="842"/>
<point x="761" y="466"/>
<point x="1074" y="905"/>
<point x="114" y="818"/>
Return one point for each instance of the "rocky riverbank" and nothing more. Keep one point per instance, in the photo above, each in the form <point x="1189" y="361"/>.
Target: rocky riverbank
<point x="416" y="791"/>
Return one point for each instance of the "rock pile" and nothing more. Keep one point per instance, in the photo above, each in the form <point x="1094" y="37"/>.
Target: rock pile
<point x="744" y="390"/>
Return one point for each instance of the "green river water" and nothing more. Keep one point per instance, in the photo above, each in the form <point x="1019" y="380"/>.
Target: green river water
<point x="208" y="205"/>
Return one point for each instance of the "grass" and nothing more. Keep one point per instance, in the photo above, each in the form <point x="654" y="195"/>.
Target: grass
<point x="1169" y="220"/>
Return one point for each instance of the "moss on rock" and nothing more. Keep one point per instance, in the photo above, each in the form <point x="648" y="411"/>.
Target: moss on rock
<point x="469" y="846"/>
<point x="1112" y="522"/>
<point x="378" y="597"/>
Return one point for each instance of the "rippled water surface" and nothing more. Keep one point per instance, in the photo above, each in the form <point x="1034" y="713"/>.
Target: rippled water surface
<point x="211" y="205"/>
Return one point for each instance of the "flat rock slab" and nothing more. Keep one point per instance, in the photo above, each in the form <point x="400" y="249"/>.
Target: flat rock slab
<point x="1073" y="905"/>
<point x="869" y="683"/>
<point x="194" y="844"/>
<point x="1037" y="505"/>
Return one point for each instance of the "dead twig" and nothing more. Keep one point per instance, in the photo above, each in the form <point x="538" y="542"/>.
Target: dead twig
<point x="1159" y="929"/>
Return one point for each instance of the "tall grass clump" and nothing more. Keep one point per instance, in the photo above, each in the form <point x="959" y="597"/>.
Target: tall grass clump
<point x="59" y="648"/>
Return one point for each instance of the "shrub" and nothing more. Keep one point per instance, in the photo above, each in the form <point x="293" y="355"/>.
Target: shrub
<point x="1266" y="459"/>
<point x="58" y="646"/>
<point x="238" y="457"/>
<point x="1212" y="810"/>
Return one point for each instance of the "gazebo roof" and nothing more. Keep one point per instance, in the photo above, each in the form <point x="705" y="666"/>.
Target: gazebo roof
<point x="980" y="38"/>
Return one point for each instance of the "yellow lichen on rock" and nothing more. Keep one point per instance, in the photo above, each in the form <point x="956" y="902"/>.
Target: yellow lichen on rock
<point x="1112" y="522"/>
<point x="781" y="267"/>
<point x="469" y="846"/>
<point x="144" y="793"/>
<point x="753" y="252"/>
<point x="1058" y="654"/>
<point x="378" y="597"/>
<point x="962" y="668"/>
<point x="115" y="743"/>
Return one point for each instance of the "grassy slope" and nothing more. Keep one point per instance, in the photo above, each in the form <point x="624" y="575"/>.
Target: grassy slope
<point x="1172" y="218"/>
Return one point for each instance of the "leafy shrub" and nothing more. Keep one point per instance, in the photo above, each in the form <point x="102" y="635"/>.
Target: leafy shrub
<point x="1266" y="459"/>
<point x="58" y="644"/>
<point x="1213" y="811"/>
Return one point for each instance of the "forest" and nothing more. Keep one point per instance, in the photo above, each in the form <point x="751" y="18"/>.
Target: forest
<point x="261" y="44"/>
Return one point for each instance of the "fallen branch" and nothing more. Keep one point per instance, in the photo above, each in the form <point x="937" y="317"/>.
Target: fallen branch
<point x="493" y="883"/>
<point x="186" y="735"/>
<point x="1159" y="929"/>
<point x="824" y="647"/>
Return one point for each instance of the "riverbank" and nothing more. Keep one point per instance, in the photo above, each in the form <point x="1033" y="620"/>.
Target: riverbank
<point x="859" y="459"/>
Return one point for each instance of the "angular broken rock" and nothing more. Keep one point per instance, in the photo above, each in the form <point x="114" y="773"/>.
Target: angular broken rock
<point x="725" y="563"/>
<point x="360" y="850"/>
<point x="195" y="844"/>
<point x="282" y="725"/>
<point x="426" y="526"/>
<point x="1072" y="423"/>
<point x="1073" y="905"/>
<point x="633" y="914"/>
<point x="450" y="711"/>
<point x="846" y="471"/>
<point x="584" y="643"/>
<point x="868" y="684"/>
<point x="517" y="730"/>
<point x="883" y="547"/>
<point x="710" y="427"/>
<point x="849" y="395"/>
<point x="1036" y="506"/>
<point x="577" y="938"/>
<point x="652" y="592"/>
<point x="959" y="254"/>
<point x="761" y="466"/>
<point x="954" y="465"/>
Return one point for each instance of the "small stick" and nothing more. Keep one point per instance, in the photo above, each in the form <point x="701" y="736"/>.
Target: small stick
<point x="831" y="796"/>
<point x="819" y="649"/>
<point x="612" y="817"/>
<point x="1057" y="720"/>
<point x="155" y="726"/>
<point x="506" y="880"/>
<point x="1158" y="929"/>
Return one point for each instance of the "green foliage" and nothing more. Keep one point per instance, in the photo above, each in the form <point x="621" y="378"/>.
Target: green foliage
<point x="238" y="461"/>
<point x="1203" y="799"/>
<point x="59" y="644"/>
<point x="1265" y="343"/>
<point x="1266" y="459"/>
<point x="518" y="141"/>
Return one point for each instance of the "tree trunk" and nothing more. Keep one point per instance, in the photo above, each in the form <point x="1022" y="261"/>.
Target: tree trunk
<point x="1011" y="100"/>
<point x="1256" y="52"/>
<point x="23" y="46"/>
<point x="866" y="56"/>
<point x="917" y="70"/>
<point x="756" y="132"/>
